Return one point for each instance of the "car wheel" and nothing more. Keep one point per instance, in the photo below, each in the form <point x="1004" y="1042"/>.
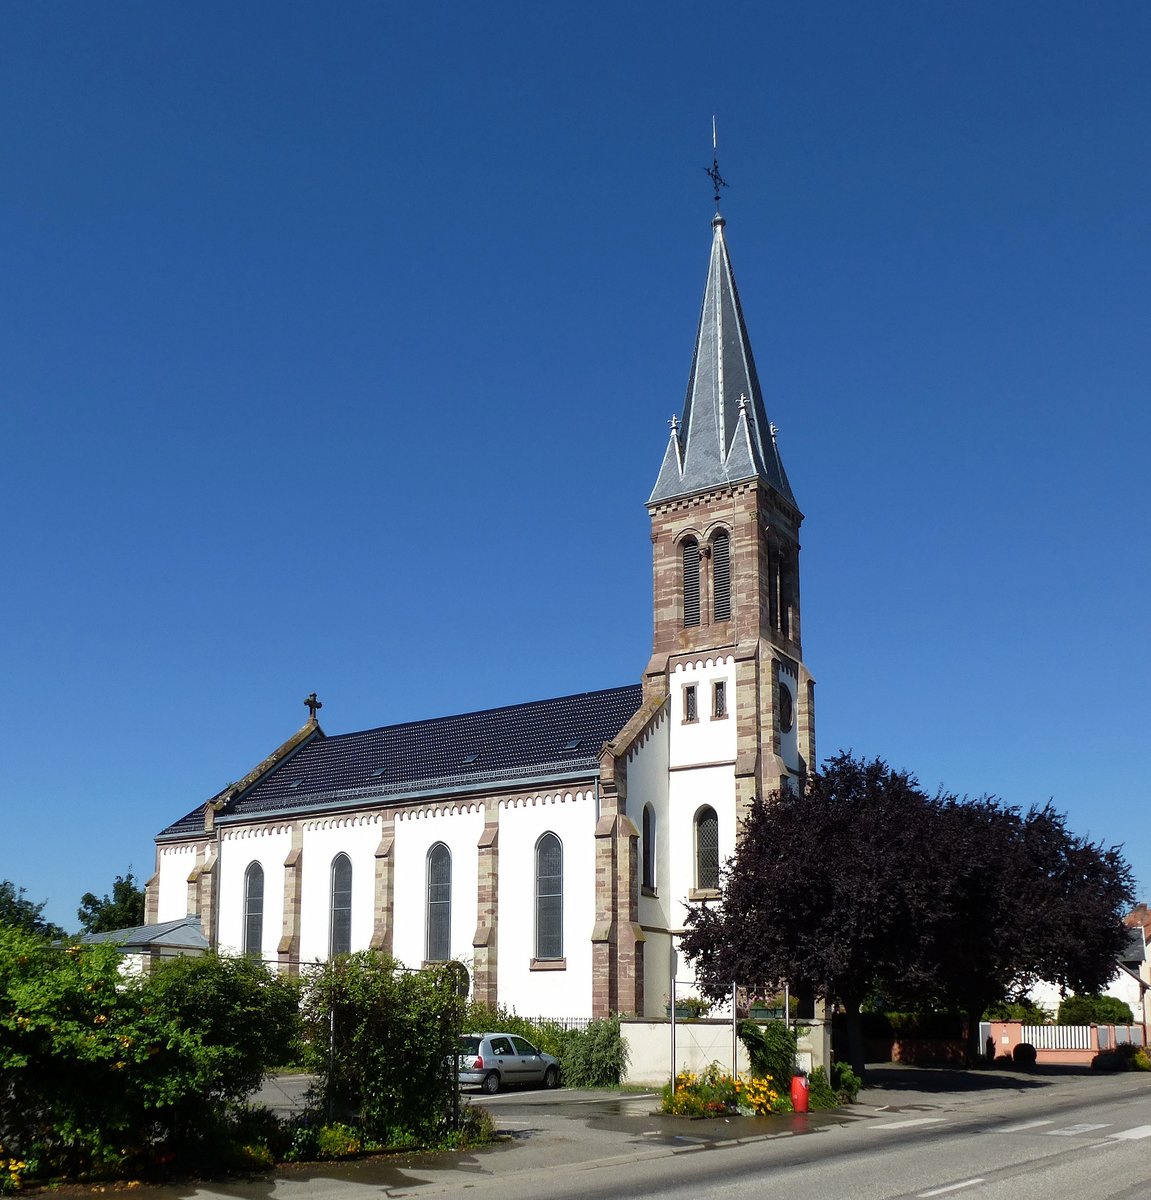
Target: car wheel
<point x="491" y="1083"/>
<point x="551" y="1078"/>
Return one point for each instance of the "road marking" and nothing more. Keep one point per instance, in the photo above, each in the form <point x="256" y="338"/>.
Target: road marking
<point x="953" y="1187"/>
<point x="1020" y="1126"/>
<point x="1139" y="1131"/>
<point x="906" y="1124"/>
<point x="1076" y="1130"/>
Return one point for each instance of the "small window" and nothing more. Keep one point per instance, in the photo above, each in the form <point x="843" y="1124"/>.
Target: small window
<point x="719" y="699"/>
<point x="721" y="576"/>
<point x="690" y="703"/>
<point x="647" y="848"/>
<point x="254" y="910"/>
<point x="340" y="925"/>
<point x="690" y="583"/>
<point x="549" y="897"/>
<point x="439" y="947"/>
<point x="706" y="849"/>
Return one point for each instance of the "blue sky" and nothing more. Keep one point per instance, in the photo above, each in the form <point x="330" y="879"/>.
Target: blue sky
<point x="338" y="344"/>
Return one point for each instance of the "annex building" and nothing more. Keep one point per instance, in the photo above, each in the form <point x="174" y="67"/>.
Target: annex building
<point x="552" y="847"/>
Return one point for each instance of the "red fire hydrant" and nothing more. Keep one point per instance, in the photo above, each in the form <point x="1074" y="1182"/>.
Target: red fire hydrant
<point x="799" y="1093"/>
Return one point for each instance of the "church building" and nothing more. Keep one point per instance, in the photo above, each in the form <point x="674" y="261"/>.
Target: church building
<point x="553" y="847"/>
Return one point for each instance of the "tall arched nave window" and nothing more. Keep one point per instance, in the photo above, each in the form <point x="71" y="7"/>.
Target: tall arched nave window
<point x="254" y="910"/>
<point x="439" y="947"/>
<point x="549" y="897"/>
<point x="340" y="907"/>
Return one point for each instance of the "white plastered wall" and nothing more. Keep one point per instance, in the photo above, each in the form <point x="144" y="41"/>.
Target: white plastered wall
<point x="707" y="739"/>
<point x="357" y="836"/>
<point x="459" y="827"/>
<point x="572" y="818"/>
<point x="175" y="864"/>
<point x="268" y="845"/>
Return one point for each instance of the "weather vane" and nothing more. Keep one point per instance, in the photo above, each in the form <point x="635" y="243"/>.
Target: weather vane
<point x="712" y="172"/>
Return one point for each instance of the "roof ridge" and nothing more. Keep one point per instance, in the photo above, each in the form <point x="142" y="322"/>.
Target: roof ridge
<point x="480" y="712"/>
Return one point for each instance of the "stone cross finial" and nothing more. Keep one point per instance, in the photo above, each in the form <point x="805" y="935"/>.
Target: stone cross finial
<point x="313" y="706"/>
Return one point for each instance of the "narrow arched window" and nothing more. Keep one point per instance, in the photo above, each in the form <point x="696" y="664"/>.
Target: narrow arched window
<point x="648" y="847"/>
<point x="549" y="897"/>
<point x="721" y="576"/>
<point x="439" y="947"/>
<point x="340" y="909"/>
<point x="706" y="849"/>
<point x="690" y="583"/>
<point x="254" y="910"/>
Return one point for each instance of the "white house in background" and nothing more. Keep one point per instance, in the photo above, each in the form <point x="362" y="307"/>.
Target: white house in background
<point x="554" y="847"/>
<point x="1130" y="983"/>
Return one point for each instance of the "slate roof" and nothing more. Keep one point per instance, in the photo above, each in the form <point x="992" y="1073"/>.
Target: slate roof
<point x="720" y="439"/>
<point x="184" y="934"/>
<point x="545" y="739"/>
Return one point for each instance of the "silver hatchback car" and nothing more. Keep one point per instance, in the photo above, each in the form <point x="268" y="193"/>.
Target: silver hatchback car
<point x="490" y="1061"/>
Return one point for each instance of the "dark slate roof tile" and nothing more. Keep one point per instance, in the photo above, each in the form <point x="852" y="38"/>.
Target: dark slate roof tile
<point x="521" y="742"/>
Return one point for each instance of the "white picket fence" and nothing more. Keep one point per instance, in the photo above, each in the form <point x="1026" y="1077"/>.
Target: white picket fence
<point x="1081" y="1037"/>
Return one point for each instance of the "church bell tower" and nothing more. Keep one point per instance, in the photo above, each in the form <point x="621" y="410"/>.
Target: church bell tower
<point x="725" y="541"/>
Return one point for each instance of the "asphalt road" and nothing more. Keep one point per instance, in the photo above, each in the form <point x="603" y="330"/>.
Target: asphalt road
<point x="988" y="1136"/>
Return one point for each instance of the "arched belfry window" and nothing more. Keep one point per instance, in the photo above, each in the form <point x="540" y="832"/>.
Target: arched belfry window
<point x="549" y="897"/>
<point x="721" y="576"/>
<point x="690" y="583"/>
<point x="439" y="947"/>
<point x="706" y="849"/>
<point x="254" y="910"/>
<point x="340" y="907"/>
<point x="647" y="850"/>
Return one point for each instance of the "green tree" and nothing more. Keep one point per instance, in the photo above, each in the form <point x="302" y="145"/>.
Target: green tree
<point x="123" y="909"/>
<point x="378" y="1037"/>
<point x="1094" y="1010"/>
<point x="18" y="912"/>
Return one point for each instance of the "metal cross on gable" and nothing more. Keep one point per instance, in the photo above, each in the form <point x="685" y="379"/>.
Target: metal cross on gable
<point x="313" y="705"/>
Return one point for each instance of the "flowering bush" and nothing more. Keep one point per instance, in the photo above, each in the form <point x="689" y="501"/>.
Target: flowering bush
<point x="11" y="1172"/>
<point x="715" y="1094"/>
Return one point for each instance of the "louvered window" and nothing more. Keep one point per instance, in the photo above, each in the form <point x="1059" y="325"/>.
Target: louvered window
<point x="549" y="897"/>
<point x="706" y="849"/>
<point x="648" y="849"/>
<point x="254" y="910"/>
<point x="439" y="903"/>
<point x="340" y="922"/>
<point x="721" y="576"/>
<point x="690" y="583"/>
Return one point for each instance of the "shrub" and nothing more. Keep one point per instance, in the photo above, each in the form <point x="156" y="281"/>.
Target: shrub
<point x="820" y="1093"/>
<point x="377" y="1038"/>
<point x="1094" y="1010"/>
<point x="593" y="1057"/>
<point x="1126" y="1057"/>
<point x="846" y="1082"/>
<point x="1024" y="1056"/>
<point x="771" y="1048"/>
<point x="105" y="1073"/>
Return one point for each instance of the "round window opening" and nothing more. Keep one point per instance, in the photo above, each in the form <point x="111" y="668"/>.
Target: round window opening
<point x="786" y="710"/>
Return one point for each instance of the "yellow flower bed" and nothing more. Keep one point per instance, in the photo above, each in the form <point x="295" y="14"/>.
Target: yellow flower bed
<point x="715" y="1093"/>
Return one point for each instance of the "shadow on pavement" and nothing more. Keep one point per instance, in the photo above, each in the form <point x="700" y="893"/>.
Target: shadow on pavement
<point x="935" y="1080"/>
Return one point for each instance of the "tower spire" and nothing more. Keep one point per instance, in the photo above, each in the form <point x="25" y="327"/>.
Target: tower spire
<point x="721" y="440"/>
